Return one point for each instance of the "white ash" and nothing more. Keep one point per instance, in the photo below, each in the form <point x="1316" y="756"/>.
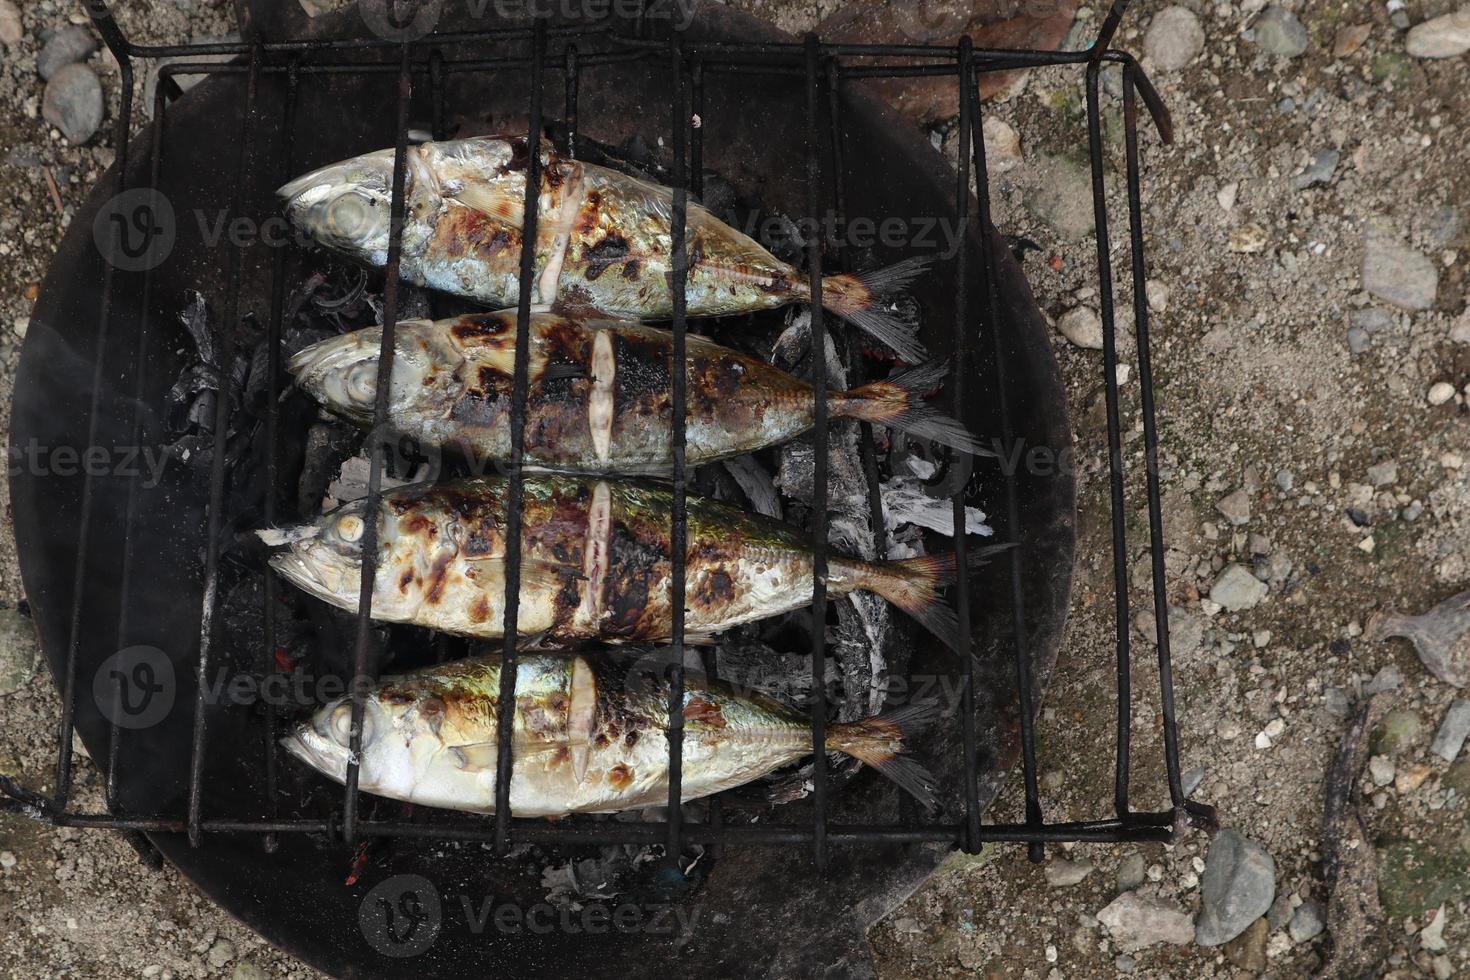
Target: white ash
<point x="352" y="483"/>
<point x="905" y="501"/>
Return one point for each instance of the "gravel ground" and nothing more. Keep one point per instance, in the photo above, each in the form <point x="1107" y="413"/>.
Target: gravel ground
<point x="1307" y="243"/>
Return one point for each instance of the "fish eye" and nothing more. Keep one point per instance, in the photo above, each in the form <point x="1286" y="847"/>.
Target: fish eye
<point x="362" y="382"/>
<point x="339" y="725"/>
<point x="349" y="528"/>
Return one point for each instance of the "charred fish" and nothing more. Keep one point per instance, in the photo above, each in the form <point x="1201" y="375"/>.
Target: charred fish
<point x="603" y="239"/>
<point x="596" y="562"/>
<point x="600" y="397"/>
<point x="589" y="737"/>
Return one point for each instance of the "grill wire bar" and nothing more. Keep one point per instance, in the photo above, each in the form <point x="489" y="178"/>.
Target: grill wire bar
<point x="383" y="396"/>
<point x="823" y="74"/>
<point x="520" y="384"/>
<point x="679" y="517"/>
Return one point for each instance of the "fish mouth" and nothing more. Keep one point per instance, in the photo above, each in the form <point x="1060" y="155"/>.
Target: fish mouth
<point x="316" y="751"/>
<point x="311" y="576"/>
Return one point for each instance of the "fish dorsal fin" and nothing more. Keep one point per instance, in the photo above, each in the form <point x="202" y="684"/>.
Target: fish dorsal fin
<point x="581" y="716"/>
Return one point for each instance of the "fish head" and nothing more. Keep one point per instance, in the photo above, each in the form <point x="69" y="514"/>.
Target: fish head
<point x="342" y="372"/>
<point x="324" y="558"/>
<point x="324" y="742"/>
<point x="347" y="206"/>
<point x="404" y="750"/>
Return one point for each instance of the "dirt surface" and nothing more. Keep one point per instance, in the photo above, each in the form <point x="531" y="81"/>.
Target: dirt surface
<point x="1263" y="404"/>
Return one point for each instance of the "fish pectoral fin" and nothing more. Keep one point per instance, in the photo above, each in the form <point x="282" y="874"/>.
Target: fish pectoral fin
<point x="475" y="756"/>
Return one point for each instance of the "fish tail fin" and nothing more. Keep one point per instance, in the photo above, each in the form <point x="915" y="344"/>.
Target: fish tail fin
<point x="865" y="299"/>
<point x="898" y="402"/>
<point x="913" y="585"/>
<point x="882" y="742"/>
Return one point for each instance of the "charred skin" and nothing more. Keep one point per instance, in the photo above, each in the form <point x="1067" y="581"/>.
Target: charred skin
<point x="596" y="561"/>
<point x="599" y="398"/>
<point x="589" y="736"/>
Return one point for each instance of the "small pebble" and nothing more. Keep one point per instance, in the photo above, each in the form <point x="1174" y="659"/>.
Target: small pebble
<point x="1061" y="873"/>
<point x="1191" y="780"/>
<point x="1238" y="887"/>
<point x="1131" y="872"/>
<point x="11" y="31"/>
<point x="1002" y="145"/>
<point x="1237" y="589"/>
<point x="73" y="103"/>
<point x="1446" y="36"/>
<point x="1236" y="508"/>
<point x="1278" y="32"/>
<point x="1349" y="39"/>
<point x="1307" y="922"/>
<point x="7" y="860"/>
<point x="1453" y="731"/>
<point x="1157" y="293"/>
<point x="1380" y="768"/>
<point x="1394" y="272"/>
<point x="1174" y="38"/>
<point x="1083" y="327"/>
<point x="1248" y="239"/>
<point x="1318" y="171"/>
<point x="1440" y="392"/>
<point x="67" y="46"/>
<point x="1383" y="474"/>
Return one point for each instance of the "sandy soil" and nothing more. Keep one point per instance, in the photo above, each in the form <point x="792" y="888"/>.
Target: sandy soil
<point x="1255" y="380"/>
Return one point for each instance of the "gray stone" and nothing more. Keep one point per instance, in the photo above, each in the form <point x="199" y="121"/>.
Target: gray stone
<point x="1174" y="38"/>
<point x="1398" y="730"/>
<point x="1061" y="873"/>
<point x="1357" y="339"/>
<point x="1236" y="889"/>
<point x="1237" y="589"/>
<point x="1307" y="922"/>
<point x="1135" y="922"/>
<point x="1235" y="508"/>
<point x="248" y="970"/>
<point x="1384" y="474"/>
<point x="1063" y="197"/>
<point x="1318" y="171"/>
<point x="1397" y="273"/>
<point x="220" y="953"/>
<point x="1381" y="770"/>
<point x="1280" y="913"/>
<point x="1453" y="731"/>
<point x="1372" y="320"/>
<point x="73" y="103"/>
<point x="1124" y="963"/>
<point x="19" y="650"/>
<point x="1131" y="872"/>
<point x="1460" y="329"/>
<point x="1285" y="480"/>
<point x="1442" y="226"/>
<point x="11" y="30"/>
<point x="1082" y="327"/>
<point x="1388" y="678"/>
<point x="67" y="46"/>
<point x="1446" y="36"/>
<point x="1279" y="33"/>
<point x="1191" y="779"/>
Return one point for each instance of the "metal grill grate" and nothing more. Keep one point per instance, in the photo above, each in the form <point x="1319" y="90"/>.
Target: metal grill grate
<point x="824" y="68"/>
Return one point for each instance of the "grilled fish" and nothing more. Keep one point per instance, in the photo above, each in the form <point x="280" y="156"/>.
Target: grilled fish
<point x="589" y="737"/>
<point x="596" y="562"/>
<point x="600" y="393"/>
<point x="603" y="239"/>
